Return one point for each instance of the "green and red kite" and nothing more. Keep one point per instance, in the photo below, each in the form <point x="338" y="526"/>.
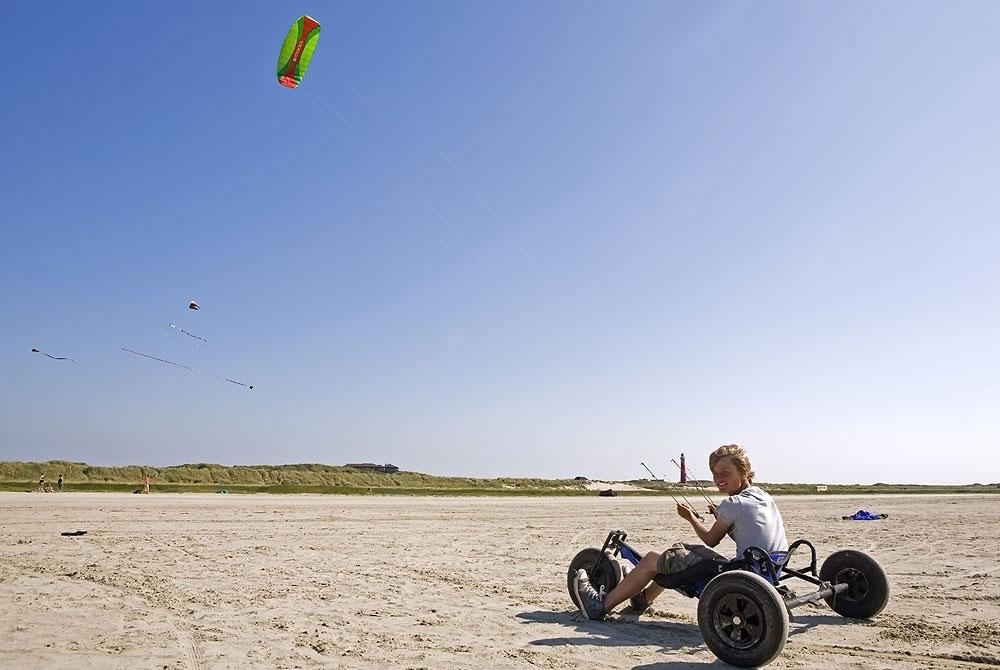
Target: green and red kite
<point x="297" y="51"/>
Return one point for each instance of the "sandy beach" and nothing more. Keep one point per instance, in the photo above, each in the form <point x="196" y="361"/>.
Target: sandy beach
<point x="265" y="581"/>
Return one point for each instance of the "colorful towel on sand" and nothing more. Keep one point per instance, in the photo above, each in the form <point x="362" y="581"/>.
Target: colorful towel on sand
<point x="864" y="515"/>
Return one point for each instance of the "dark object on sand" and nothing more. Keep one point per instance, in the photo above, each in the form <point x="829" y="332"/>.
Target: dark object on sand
<point x="608" y="493"/>
<point x="73" y="533"/>
<point x="864" y="515"/>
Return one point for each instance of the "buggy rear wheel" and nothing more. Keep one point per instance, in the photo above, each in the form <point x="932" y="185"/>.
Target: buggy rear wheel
<point x="867" y="584"/>
<point x="742" y="619"/>
<point x="608" y="574"/>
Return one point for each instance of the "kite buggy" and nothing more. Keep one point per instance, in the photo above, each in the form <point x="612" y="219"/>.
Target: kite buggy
<point x="743" y="605"/>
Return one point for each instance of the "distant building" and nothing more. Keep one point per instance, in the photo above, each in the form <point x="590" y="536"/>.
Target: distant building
<point x="821" y="488"/>
<point x="387" y="469"/>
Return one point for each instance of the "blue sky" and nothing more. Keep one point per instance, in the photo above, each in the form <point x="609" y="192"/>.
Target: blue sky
<point x="528" y="239"/>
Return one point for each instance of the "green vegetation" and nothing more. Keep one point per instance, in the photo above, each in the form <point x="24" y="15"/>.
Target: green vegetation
<point x="867" y="489"/>
<point x="300" y="478"/>
<point x="316" y="478"/>
<point x="843" y="489"/>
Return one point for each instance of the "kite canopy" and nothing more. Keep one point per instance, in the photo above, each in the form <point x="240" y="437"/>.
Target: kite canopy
<point x="193" y="305"/>
<point x="297" y="51"/>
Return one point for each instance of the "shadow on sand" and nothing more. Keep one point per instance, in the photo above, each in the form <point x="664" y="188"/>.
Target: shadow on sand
<point x="667" y="636"/>
<point x="805" y="620"/>
<point x="676" y="638"/>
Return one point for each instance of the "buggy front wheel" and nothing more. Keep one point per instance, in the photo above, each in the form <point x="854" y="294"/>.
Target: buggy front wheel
<point x="608" y="574"/>
<point x="742" y="619"/>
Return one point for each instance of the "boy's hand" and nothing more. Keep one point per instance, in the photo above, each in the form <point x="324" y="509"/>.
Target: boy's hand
<point x="711" y="508"/>
<point x="685" y="512"/>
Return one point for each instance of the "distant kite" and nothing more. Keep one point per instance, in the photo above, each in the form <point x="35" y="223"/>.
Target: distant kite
<point x="162" y="360"/>
<point x="193" y="305"/>
<point x="55" y="358"/>
<point x="184" y="332"/>
<point x="297" y="51"/>
<point x="190" y="369"/>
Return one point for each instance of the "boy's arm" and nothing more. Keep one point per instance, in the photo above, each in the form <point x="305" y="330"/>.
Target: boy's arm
<point x="710" y="536"/>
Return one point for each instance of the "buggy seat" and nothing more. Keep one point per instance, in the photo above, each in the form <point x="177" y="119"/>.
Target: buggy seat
<point x="691" y="581"/>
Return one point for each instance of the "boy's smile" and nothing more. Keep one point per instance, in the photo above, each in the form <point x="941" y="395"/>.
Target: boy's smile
<point x="727" y="477"/>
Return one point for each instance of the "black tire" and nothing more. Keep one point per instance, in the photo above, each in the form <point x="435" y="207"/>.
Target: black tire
<point x="608" y="575"/>
<point x="867" y="593"/>
<point x="743" y="619"/>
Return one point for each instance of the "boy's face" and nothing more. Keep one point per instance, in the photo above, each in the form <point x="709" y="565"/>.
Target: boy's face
<point x="727" y="477"/>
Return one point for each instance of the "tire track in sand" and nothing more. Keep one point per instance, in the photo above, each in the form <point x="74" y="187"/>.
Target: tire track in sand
<point x="185" y="635"/>
<point x="971" y="662"/>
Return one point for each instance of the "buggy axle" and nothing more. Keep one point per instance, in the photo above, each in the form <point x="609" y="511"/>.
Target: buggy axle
<point x="815" y="596"/>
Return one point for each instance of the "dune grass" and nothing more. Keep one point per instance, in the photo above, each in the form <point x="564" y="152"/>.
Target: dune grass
<point x="332" y="479"/>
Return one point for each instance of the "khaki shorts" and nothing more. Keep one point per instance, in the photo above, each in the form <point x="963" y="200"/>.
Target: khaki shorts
<point x="681" y="556"/>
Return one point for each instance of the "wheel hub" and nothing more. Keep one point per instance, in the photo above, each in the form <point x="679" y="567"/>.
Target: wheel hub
<point x="857" y="584"/>
<point x="739" y="621"/>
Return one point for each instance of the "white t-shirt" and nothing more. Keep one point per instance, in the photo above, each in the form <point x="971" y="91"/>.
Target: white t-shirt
<point x="754" y="521"/>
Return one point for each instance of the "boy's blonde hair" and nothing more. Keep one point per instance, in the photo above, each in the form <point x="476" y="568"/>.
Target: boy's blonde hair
<point x="736" y="454"/>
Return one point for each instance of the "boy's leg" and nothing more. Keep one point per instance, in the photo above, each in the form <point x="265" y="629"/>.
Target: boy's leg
<point x="650" y="593"/>
<point x="674" y="559"/>
<point x="634" y="582"/>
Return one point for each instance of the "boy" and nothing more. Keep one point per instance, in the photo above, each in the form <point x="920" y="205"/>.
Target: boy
<point x="748" y="515"/>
